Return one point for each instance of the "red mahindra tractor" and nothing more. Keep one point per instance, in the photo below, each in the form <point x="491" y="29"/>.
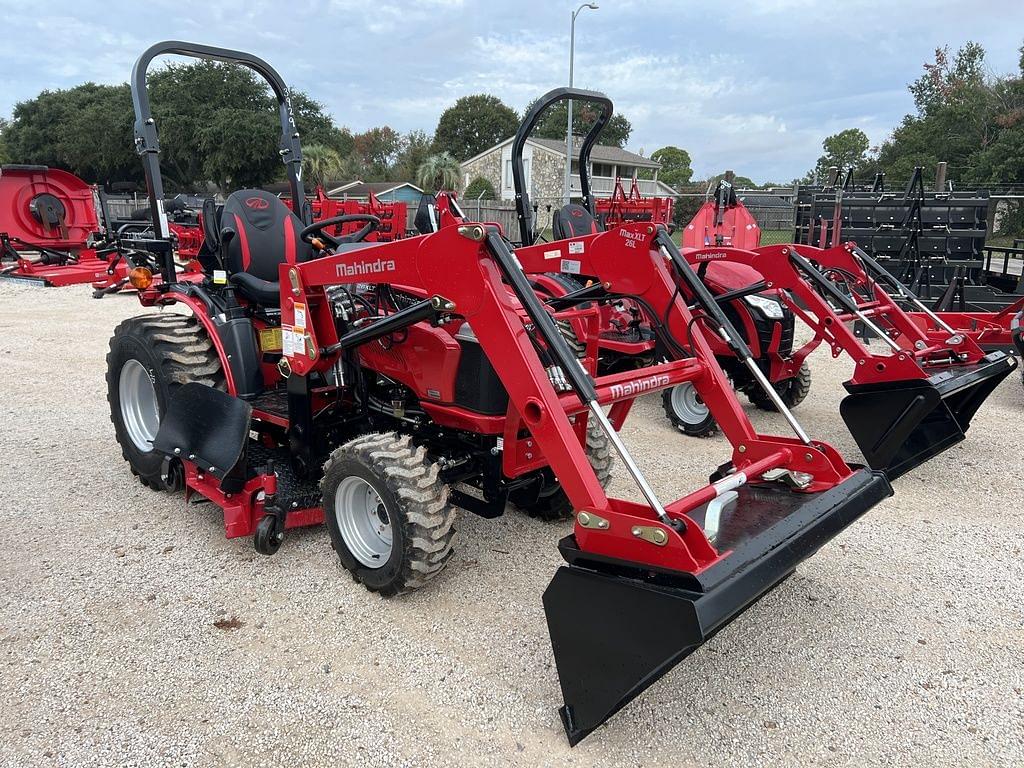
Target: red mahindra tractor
<point x="903" y="407"/>
<point x="766" y="324"/>
<point x="50" y="232"/>
<point x="380" y="387"/>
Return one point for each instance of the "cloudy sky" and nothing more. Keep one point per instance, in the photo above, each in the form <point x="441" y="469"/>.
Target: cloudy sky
<point x="752" y="85"/>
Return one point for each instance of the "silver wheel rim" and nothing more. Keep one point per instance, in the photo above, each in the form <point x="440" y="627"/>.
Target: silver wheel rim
<point x="687" y="405"/>
<point x="140" y="410"/>
<point x="364" y="521"/>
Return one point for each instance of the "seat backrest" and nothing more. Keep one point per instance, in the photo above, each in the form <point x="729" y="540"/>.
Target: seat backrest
<point x="425" y="220"/>
<point x="266" y="234"/>
<point x="572" y="221"/>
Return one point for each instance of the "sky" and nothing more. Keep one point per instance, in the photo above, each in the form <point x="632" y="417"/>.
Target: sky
<point x="753" y="86"/>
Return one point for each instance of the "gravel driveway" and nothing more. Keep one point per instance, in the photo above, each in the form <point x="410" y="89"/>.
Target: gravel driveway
<point x="132" y="633"/>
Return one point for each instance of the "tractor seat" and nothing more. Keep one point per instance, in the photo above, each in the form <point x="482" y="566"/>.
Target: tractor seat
<point x="266" y="236"/>
<point x="573" y="221"/>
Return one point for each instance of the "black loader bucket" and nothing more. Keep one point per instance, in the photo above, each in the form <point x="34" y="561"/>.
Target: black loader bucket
<point x="900" y="425"/>
<point x="616" y="628"/>
<point x="208" y="427"/>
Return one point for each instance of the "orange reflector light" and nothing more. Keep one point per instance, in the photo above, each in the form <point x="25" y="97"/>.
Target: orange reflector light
<point x="140" y="278"/>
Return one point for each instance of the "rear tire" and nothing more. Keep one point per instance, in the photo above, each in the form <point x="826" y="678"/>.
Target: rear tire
<point x="687" y="411"/>
<point x="387" y="512"/>
<point x="552" y="503"/>
<point x="150" y="357"/>
<point x="793" y="391"/>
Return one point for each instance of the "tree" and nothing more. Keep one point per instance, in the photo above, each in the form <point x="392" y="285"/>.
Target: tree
<point x="320" y="164"/>
<point x="473" y="124"/>
<point x="217" y="123"/>
<point x="738" y="182"/>
<point x="958" y="108"/>
<point x="844" y="150"/>
<point x="86" y="130"/>
<point x="552" y="123"/>
<point x="416" y="147"/>
<point x="440" y="171"/>
<point x="4" y="157"/>
<point x="479" y="188"/>
<point x="376" y="151"/>
<point x="675" y="166"/>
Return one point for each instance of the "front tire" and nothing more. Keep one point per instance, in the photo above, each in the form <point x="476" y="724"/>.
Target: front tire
<point x="792" y="391"/>
<point x="552" y="503"/>
<point x="150" y="357"/>
<point x="687" y="411"/>
<point x="387" y="512"/>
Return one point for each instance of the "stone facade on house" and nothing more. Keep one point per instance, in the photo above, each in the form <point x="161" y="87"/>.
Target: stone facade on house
<point x="545" y="171"/>
<point x="544" y="161"/>
<point x="486" y="166"/>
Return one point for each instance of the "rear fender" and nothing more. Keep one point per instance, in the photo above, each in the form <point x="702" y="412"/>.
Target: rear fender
<point x="233" y="338"/>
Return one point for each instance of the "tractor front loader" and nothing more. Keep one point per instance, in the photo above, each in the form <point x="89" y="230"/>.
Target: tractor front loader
<point x="381" y="387"/>
<point x="906" y="404"/>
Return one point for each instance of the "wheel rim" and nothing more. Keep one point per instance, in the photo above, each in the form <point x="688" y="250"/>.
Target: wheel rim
<point x="687" y="405"/>
<point x="140" y="410"/>
<point x="364" y="521"/>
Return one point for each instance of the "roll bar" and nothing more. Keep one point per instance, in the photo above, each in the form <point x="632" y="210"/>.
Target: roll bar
<point x="523" y="210"/>
<point x="147" y="143"/>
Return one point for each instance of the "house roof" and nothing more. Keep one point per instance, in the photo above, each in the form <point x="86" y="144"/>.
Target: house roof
<point x="364" y="188"/>
<point x="601" y="153"/>
<point x="350" y="188"/>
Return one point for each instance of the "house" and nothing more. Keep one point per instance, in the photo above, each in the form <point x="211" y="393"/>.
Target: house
<point x="544" y="162"/>
<point x="385" y="191"/>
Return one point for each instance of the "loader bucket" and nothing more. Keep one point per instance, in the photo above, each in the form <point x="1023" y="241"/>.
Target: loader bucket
<point x="900" y="425"/>
<point x="616" y="628"/>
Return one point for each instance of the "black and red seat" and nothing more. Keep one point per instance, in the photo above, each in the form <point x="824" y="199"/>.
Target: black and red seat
<point x="266" y="234"/>
<point x="573" y="221"/>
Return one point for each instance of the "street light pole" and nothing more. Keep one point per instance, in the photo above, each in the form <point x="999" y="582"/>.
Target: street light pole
<point x="568" y="129"/>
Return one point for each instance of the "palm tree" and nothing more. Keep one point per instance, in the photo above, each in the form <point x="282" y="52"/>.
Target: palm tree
<point x="440" y="171"/>
<point x="320" y="163"/>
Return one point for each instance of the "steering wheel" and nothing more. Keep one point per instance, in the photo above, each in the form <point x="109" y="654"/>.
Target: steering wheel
<point x="316" y="229"/>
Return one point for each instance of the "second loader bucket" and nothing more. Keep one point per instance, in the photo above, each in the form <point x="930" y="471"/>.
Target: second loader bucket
<point x="899" y="425"/>
<point x="617" y="628"/>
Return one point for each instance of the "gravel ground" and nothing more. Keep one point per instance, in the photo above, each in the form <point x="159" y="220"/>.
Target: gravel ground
<point x="133" y="633"/>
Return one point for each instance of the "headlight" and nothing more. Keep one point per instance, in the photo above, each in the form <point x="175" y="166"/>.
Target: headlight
<point x="771" y="307"/>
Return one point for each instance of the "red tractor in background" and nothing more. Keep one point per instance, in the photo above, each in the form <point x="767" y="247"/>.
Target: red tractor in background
<point x="755" y="310"/>
<point x="380" y="387"/>
<point x="904" y="406"/>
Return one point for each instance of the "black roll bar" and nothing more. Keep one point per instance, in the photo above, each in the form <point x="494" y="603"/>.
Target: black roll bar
<point x="523" y="210"/>
<point x="147" y="143"/>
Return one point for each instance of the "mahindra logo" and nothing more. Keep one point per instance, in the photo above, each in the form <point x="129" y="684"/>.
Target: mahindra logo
<point x="256" y="203"/>
<point x="709" y="256"/>
<point x="631" y="388"/>
<point x="575" y="212"/>
<point x="365" y="268"/>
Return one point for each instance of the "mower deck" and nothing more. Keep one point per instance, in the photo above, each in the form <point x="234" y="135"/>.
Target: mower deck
<point x="85" y="270"/>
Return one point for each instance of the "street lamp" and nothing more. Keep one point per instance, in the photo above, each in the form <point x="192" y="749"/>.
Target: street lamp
<point x="568" y="130"/>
